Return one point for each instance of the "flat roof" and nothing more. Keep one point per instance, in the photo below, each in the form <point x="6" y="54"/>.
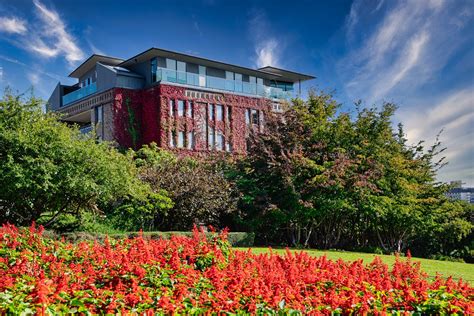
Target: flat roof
<point x="270" y="73"/>
<point x="91" y="61"/>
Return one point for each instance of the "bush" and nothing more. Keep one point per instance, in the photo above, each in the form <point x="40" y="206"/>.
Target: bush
<point x="199" y="275"/>
<point x="198" y="189"/>
<point x="49" y="170"/>
<point x="237" y="239"/>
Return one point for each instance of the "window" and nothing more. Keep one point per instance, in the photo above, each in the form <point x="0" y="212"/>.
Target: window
<point x="180" y="108"/>
<point x="153" y="70"/>
<point x="99" y="114"/>
<point x="190" y="110"/>
<point x="171" y="109"/>
<point x="172" y="140"/>
<point x="238" y="83"/>
<point x="190" y="141"/>
<point x="228" y="113"/>
<point x="211" y="112"/>
<point x="219" y="112"/>
<point x="229" y="80"/>
<point x="202" y="76"/>
<point x="247" y="116"/>
<point x="211" y="138"/>
<point x="228" y="146"/>
<point x="181" y="139"/>
<point x="220" y="141"/>
<point x="181" y="68"/>
<point x="255" y="117"/>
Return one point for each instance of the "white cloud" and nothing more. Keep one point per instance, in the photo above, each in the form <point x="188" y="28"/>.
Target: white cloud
<point x="267" y="53"/>
<point x="46" y="36"/>
<point x="409" y="43"/>
<point x="55" y="39"/>
<point x="12" y="25"/>
<point x="268" y="49"/>
<point x="34" y="78"/>
<point x="454" y="114"/>
<point x="416" y="54"/>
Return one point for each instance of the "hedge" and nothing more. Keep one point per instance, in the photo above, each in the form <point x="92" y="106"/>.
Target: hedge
<point x="237" y="239"/>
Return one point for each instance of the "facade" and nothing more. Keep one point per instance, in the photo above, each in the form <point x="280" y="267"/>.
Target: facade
<point x="458" y="192"/>
<point x="178" y="101"/>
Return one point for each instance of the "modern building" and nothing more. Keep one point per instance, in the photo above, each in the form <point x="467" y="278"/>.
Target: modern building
<point x="458" y="192"/>
<point x="179" y="101"/>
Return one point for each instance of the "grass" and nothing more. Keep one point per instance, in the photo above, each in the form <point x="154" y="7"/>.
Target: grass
<point x="431" y="267"/>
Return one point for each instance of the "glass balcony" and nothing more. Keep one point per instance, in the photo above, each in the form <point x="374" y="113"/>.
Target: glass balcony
<point x="192" y="79"/>
<point x="79" y="94"/>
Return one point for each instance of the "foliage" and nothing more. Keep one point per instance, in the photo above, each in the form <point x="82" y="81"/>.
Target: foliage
<point x="49" y="169"/>
<point x="197" y="188"/>
<point x="316" y="177"/>
<point x="186" y="275"/>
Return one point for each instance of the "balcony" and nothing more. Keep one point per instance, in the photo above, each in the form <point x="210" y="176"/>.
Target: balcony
<point x="79" y="94"/>
<point x="192" y="79"/>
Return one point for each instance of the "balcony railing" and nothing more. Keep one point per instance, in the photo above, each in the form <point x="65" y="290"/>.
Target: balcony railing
<point x="79" y="94"/>
<point x="192" y="79"/>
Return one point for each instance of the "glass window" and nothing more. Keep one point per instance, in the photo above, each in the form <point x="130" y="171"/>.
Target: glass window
<point x="180" y="139"/>
<point x="202" y="76"/>
<point x="255" y="119"/>
<point x="180" y="108"/>
<point x="190" y="141"/>
<point x="210" y="138"/>
<point x="171" y="108"/>
<point x="228" y="113"/>
<point x="99" y="112"/>
<point x="181" y="67"/>
<point x="238" y="82"/>
<point x="228" y="145"/>
<point x="190" y="110"/>
<point x="172" y="140"/>
<point x="247" y="116"/>
<point x="211" y="112"/>
<point x="220" y="141"/>
<point x="219" y="112"/>
<point x="171" y="64"/>
<point x="153" y="70"/>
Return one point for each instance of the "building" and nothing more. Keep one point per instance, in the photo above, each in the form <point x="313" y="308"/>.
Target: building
<point x="179" y="101"/>
<point x="458" y="192"/>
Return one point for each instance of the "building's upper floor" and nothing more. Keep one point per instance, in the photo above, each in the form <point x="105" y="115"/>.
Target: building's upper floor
<point x="100" y="73"/>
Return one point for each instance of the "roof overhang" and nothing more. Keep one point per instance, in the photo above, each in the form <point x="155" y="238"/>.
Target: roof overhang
<point x="91" y="62"/>
<point x="294" y="76"/>
<point x="261" y="73"/>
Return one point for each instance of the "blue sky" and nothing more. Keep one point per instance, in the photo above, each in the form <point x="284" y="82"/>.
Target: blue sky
<point x="418" y="54"/>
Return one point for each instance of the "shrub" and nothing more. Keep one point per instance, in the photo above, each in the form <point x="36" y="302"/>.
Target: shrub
<point x="49" y="170"/>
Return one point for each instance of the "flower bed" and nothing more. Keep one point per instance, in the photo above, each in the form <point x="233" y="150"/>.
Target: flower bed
<point x="196" y="275"/>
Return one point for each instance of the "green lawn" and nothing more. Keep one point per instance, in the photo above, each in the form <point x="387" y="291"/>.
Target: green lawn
<point x="446" y="268"/>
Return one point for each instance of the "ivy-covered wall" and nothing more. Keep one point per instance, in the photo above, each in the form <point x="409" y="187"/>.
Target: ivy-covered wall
<point x="143" y="116"/>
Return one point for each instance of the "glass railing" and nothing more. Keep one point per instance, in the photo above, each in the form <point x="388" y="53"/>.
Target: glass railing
<point x="86" y="129"/>
<point x="79" y="94"/>
<point x="167" y="75"/>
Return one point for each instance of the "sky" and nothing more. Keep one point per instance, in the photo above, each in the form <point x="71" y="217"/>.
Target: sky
<point x="418" y="54"/>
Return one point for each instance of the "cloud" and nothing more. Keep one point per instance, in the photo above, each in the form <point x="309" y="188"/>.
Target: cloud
<point x="404" y="47"/>
<point x="12" y="25"/>
<point x="268" y="49"/>
<point x="33" y="78"/>
<point x="47" y="36"/>
<point x="454" y="115"/>
<point x="267" y="53"/>
<point x="54" y="32"/>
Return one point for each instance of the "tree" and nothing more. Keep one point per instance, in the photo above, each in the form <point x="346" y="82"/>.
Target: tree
<point x="199" y="192"/>
<point x="316" y="177"/>
<point x="48" y="169"/>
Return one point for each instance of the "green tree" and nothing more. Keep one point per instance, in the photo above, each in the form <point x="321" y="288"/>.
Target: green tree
<point x="49" y="169"/>
<point x="318" y="177"/>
